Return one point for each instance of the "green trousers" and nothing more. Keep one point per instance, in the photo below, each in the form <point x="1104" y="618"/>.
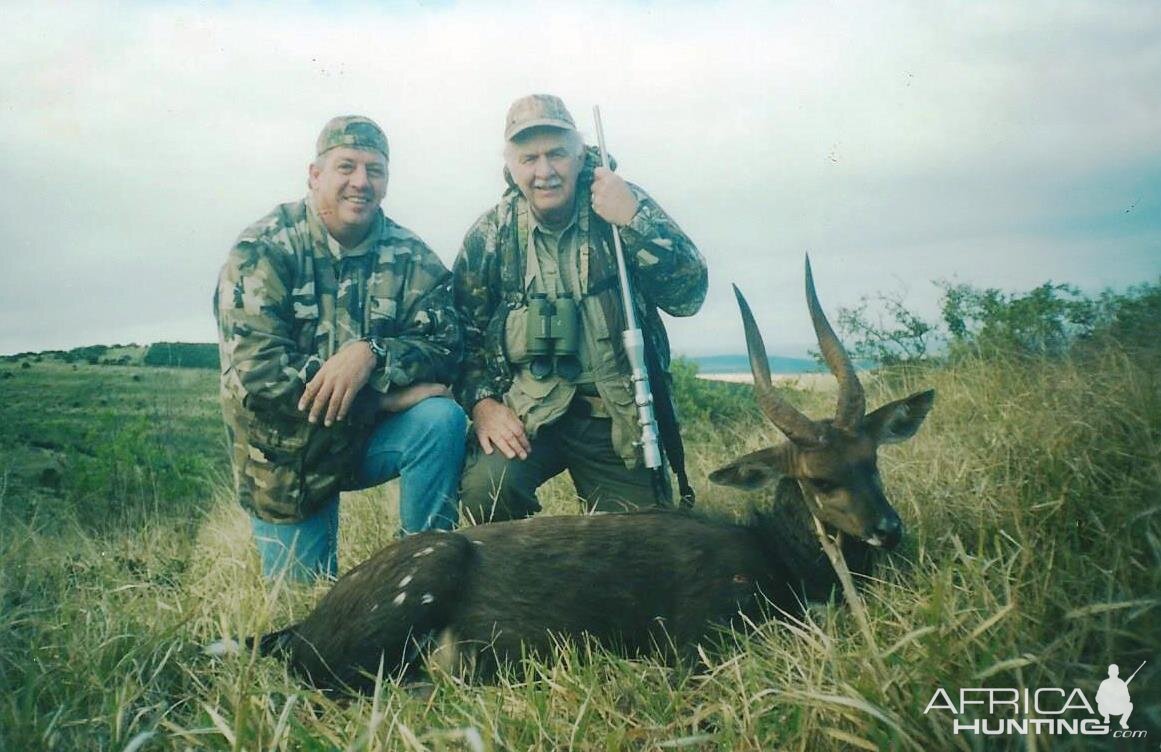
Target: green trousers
<point x="495" y="488"/>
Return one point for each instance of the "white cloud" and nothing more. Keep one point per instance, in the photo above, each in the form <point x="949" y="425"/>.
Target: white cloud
<point x="1001" y="143"/>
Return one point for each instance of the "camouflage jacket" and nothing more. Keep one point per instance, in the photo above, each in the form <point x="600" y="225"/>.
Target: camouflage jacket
<point x="667" y="271"/>
<point x="284" y="304"/>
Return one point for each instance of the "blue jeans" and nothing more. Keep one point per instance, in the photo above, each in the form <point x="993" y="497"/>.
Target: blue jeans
<point x="424" y="446"/>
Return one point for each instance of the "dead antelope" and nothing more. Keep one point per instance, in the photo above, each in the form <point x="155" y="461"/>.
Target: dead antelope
<point x="488" y="594"/>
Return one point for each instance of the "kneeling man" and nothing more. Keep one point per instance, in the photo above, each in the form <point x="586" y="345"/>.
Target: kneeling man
<point x="546" y="377"/>
<point x="338" y="338"/>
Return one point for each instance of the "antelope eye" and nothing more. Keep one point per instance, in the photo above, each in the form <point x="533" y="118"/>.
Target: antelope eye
<point x="822" y="485"/>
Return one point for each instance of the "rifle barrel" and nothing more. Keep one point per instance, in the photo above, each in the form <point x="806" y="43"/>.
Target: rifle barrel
<point x="622" y="271"/>
<point x="634" y="341"/>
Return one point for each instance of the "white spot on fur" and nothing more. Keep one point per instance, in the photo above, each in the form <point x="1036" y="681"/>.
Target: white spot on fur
<point x="427" y="598"/>
<point x="222" y="648"/>
<point x="374" y="607"/>
<point x="404" y="581"/>
<point x="399" y="599"/>
<point x="424" y="552"/>
<point x="478" y="542"/>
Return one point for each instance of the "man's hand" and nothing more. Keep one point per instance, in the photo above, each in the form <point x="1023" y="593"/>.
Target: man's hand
<point x="497" y="427"/>
<point x="398" y="400"/>
<point x="613" y="201"/>
<point x="332" y="390"/>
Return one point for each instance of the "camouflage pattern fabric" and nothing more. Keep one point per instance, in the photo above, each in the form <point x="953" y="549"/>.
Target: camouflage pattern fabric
<point x="355" y="132"/>
<point x="667" y="270"/>
<point x="284" y="304"/>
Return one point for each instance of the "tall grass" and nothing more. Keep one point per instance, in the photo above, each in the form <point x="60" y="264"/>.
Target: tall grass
<point x="1032" y="559"/>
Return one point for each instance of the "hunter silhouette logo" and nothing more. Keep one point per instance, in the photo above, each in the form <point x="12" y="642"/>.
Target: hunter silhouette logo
<point x="1113" y="696"/>
<point x="1002" y="711"/>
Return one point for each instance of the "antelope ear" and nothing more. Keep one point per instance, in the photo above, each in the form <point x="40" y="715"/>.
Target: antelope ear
<point x="753" y="471"/>
<point x="899" y="420"/>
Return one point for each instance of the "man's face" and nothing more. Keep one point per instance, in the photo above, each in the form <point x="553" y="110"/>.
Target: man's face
<point x="545" y="163"/>
<point x="347" y="188"/>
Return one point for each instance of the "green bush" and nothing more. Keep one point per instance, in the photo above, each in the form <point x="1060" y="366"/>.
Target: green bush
<point x="1046" y="321"/>
<point x="89" y="354"/>
<point x="700" y="400"/>
<point x="896" y="336"/>
<point x="1043" y="321"/>
<point x="182" y="355"/>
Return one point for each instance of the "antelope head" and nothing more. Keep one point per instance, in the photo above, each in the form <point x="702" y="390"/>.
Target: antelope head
<point x="833" y="460"/>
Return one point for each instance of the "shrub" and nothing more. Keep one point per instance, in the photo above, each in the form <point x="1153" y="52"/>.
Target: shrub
<point x="1043" y="321"/>
<point x="1046" y="321"/>
<point x="897" y="335"/>
<point x="182" y="355"/>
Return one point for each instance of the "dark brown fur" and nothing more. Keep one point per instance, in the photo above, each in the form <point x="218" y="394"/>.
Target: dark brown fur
<point x="642" y="582"/>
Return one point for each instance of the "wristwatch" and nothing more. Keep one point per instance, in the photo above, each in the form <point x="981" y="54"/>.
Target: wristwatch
<point x="378" y="348"/>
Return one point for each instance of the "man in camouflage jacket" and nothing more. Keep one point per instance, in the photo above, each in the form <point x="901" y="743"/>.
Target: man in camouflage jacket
<point x="338" y="338"/>
<point x="550" y="239"/>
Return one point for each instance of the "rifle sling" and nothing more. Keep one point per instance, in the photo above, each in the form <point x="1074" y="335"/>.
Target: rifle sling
<point x="667" y="426"/>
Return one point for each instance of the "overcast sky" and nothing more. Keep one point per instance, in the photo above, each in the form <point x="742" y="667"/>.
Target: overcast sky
<point x="998" y="144"/>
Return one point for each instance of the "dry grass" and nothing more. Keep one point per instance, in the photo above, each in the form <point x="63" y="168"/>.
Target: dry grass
<point x="1033" y="560"/>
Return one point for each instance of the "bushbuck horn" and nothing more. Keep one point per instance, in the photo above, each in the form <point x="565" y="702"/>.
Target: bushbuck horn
<point x="851" y="402"/>
<point x="659" y="581"/>
<point x="786" y="417"/>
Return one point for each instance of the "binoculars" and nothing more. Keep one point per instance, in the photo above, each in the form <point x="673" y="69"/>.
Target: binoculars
<point x="553" y="337"/>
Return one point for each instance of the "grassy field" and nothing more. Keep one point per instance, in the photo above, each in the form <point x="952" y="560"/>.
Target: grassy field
<point x="1033" y="559"/>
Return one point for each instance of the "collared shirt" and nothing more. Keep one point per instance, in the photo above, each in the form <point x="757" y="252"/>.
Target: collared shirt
<point x="337" y="249"/>
<point x="563" y="269"/>
<point x="342" y="293"/>
<point x="554" y="270"/>
<point x="555" y="267"/>
<point x="556" y="260"/>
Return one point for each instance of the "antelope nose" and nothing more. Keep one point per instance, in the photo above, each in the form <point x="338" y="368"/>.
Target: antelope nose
<point x="889" y="531"/>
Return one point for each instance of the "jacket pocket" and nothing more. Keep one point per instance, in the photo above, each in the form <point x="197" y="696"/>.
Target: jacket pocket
<point x="381" y="313"/>
<point x="516" y="336"/>
<point x="594" y="318"/>
<point x="527" y="394"/>
<point x="306" y="317"/>
<point x="272" y="470"/>
<point x="622" y="408"/>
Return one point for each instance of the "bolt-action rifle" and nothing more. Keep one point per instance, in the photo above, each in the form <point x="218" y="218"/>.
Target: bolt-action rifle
<point x="647" y="378"/>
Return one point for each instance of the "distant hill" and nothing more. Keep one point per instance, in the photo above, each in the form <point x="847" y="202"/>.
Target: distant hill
<point x="741" y="364"/>
<point x="165" y="354"/>
<point x="96" y="355"/>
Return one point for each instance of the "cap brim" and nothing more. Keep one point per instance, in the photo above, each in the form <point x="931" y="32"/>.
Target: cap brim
<point x="357" y="147"/>
<point x="516" y="130"/>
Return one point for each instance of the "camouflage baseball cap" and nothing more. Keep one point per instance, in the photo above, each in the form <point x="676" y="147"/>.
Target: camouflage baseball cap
<point x="354" y="131"/>
<point x="537" y="110"/>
